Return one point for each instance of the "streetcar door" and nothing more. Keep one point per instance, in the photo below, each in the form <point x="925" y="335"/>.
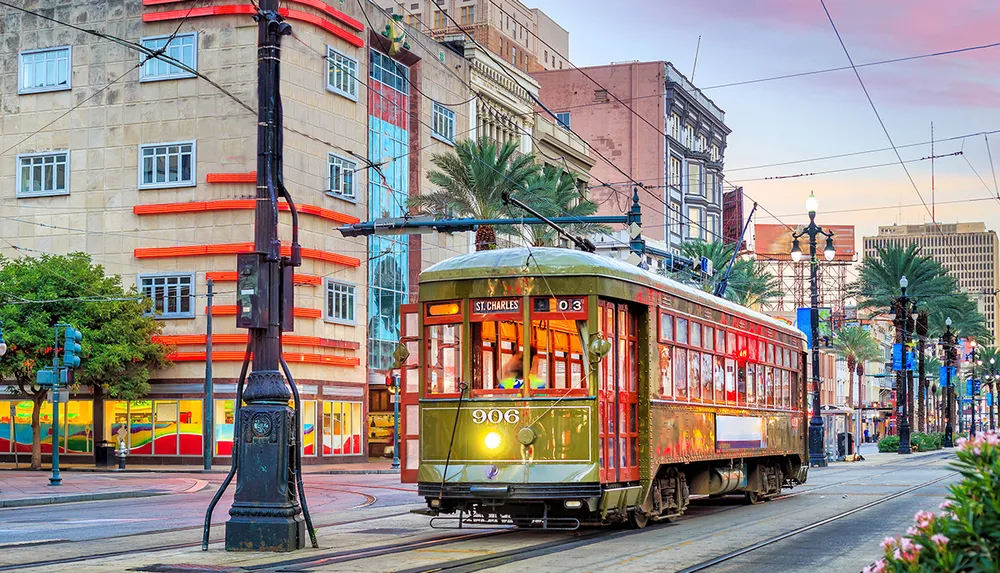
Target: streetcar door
<point x="618" y="396"/>
<point x="409" y="386"/>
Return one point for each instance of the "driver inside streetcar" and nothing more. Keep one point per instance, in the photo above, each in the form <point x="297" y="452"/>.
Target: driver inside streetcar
<point x="513" y="375"/>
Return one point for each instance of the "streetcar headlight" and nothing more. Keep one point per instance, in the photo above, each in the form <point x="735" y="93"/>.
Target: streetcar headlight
<point x="492" y="440"/>
<point x="435" y="503"/>
<point x="573" y="504"/>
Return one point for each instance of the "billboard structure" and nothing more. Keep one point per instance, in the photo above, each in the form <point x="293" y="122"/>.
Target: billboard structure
<point x="732" y="216"/>
<point x="773" y="245"/>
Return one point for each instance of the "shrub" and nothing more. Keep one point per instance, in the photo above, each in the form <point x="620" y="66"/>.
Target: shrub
<point x="889" y="444"/>
<point x="966" y="536"/>
<point x="926" y="442"/>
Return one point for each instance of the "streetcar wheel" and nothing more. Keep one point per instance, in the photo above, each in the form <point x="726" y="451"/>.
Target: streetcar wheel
<point x="637" y="519"/>
<point x="752" y="498"/>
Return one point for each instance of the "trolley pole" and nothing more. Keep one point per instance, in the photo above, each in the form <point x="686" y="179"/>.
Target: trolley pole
<point x="266" y="515"/>
<point x="207" y="407"/>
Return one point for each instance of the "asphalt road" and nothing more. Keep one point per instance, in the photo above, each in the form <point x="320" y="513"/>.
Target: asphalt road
<point x="364" y="525"/>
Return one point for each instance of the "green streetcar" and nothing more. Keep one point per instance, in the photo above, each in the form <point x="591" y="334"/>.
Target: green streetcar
<point x="555" y="388"/>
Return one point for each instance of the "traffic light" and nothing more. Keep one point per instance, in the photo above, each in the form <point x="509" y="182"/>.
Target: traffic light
<point x="71" y="348"/>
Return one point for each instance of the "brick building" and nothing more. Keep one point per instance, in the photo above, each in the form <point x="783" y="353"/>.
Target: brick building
<point x="153" y="176"/>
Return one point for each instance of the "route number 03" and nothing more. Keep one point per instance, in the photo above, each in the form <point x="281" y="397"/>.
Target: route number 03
<point x="494" y="416"/>
<point x="575" y="305"/>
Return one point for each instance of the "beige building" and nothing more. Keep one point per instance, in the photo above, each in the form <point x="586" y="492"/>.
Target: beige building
<point x="150" y="170"/>
<point x="525" y="37"/>
<point x="967" y="250"/>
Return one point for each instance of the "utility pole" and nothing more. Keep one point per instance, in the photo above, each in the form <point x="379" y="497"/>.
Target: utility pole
<point x="207" y="407"/>
<point x="266" y="514"/>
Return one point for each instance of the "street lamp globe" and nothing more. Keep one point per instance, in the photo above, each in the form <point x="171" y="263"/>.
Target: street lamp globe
<point x="796" y="250"/>
<point x="812" y="204"/>
<point x="3" y="347"/>
<point x="829" y="252"/>
<point x="947" y="321"/>
<point x="903" y="282"/>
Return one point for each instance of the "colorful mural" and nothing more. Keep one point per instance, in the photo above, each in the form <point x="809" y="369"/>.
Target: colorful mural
<point x="76" y="432"/>
<point x="342" y="428"/>
<point x="388" y="189"/>
<point x="156" y="427"/>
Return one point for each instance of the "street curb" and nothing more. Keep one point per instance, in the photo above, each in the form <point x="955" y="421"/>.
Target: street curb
<point x="78" y="497"/>
<point x="168" y="470"/>
<point x="351" y="472"/>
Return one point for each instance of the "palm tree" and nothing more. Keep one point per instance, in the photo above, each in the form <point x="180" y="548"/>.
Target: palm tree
<point x="553" y="192"/>
<point x="750" y="282"/>
<point x="855" y="345"/>
<point x="472" y="180"/>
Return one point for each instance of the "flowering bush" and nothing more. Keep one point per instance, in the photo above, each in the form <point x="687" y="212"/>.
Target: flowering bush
<point x="966" y="535"/>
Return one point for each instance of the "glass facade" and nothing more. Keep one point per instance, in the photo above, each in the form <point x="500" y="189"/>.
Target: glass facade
<point x="388" y="268"/>
<point x="76" y="427"/>
<point x="155" y="427"/>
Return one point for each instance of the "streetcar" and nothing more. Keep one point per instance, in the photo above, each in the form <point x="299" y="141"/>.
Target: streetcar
<point x="554" y="388"/>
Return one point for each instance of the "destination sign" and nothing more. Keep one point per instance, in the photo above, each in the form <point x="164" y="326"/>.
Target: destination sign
<point x="496" y="306"/>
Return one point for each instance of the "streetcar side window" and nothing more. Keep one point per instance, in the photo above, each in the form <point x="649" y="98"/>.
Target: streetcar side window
<point x="666" y="372"/>
<point x="709" y="338"/>
<point x="720" y="341"/>
<point x="682" y="330"/>
<point x="695" y="334"/>
<point x="666" y="327"/>
<point x="706" y="376"/>
<point x="694" y="375"/>
<point x="785" y="389"/>
<point x="557" y="355"/>
<point x="680" y="372"/>
<point x="751" y="383"/>
<point x="769" y="385"/>
<point x="719" y="377"/>
<point x="444" y="358"/>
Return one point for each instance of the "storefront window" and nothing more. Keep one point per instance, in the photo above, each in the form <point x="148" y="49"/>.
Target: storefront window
<point x="308" y="427"/>
<point x="155" y="427"/>
<point x="225" y="421"/>
<point x="341" y="428"/>
<point x="76" y="426"/>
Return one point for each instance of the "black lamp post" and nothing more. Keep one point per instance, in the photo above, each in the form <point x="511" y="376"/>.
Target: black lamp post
<point x="817" y="455"/>
<point x="948" y="342"/>
<point x="901" y="318"/>
<point x="991" y="381"/>
<point x="3" y="345"/>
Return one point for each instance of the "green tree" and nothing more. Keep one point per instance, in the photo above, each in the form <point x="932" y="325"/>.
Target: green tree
<point x="877" y="287"/>
<point x="118" y="350"/>
<point x="472" y="180"/>
<point x="855" y="345"/>
<point x="750" y="282"/>
<point x="553" y="192"/>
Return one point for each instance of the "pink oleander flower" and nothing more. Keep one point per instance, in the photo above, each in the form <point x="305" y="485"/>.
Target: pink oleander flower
<point x="977" y="450"/>
<point x="939" y="540"/>
<point x="992" y="439"/>
<point x="912" y="531"/>
<point x="888" y="542"/>
<point x="945" y="504"/>
<point x="960" y="443"/>
<point x="906" y="544"/>
<point x="879" y="566"/>
<point x="924" y="519"/>
<point x="897" y="555"/>
<point x="912" y="555"/>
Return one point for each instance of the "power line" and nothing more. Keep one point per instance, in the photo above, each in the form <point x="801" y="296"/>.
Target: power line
<point x="845" y="169"/>
<point x="874" y="109"/>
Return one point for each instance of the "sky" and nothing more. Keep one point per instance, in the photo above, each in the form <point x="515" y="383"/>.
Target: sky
<point x="827" y="114"/>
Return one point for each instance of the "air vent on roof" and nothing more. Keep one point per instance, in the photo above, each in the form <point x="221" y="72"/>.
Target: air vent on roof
<point x="600" y="96"/>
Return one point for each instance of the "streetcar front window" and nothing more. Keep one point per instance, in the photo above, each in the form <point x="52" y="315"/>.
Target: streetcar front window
<point x="555" y="357"/>
<point x="444" y="358"/>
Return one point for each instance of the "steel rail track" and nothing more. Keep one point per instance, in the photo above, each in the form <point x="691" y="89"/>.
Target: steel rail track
<point x="770" y="541"/>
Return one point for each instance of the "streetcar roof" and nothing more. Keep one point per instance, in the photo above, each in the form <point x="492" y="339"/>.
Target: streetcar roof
<point x="539" y="261"/>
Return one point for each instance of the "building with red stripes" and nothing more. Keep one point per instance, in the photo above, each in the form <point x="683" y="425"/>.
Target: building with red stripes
<point x="148" y="167"/>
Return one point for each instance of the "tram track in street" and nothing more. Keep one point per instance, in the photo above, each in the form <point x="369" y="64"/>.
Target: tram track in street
<point x="707" y="564"/>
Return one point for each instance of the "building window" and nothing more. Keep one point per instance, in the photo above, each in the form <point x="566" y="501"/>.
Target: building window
<point x="341" y="428"/>
<point x="340" y="302"/>
<point x="183" y="48"/>
<point x="443" y="123"/>
<point x="694" y="223"/>
<point x="440" y="19"/>
<point x="388" y="71"/>
<point x="45" y="70"/>
<point x="712" y="224"/>
<point x="43" y="174"/>
<point x="674" y="177"/>
<point x="563" y="119"/>
<point x="675" y="127"/>
<point x="702" y="144"/>
<point x="694" y="180"/>
<point x="716" y="152"/>
<point x="341" y="183"/>
<point x="688" y="136"/>
<point x="467" y="14"/>
<point x="172" y="295"/>
<point x="513" y="55"/>
<point x="413" y="20"/>
<point x="711" y="179"/>
<point x="675" y="218"/>
<point x="166" y="165"/>
<point x="341" y="74"/>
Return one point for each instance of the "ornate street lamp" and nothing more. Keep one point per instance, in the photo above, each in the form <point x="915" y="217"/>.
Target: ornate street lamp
<point x="901" y="318"/>
<point x="817" y="455"/>
<point x="3" y="345"/>
<point x="948" y="342"/>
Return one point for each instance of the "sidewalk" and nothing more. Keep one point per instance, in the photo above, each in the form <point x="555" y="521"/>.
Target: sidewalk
<point x="353" y="468"/>
<point x="25" y="488"/>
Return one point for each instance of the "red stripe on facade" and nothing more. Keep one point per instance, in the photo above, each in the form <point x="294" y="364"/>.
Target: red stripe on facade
<point x="229" y="356"/>
<point x="238" y="9"/>
<point x="237" y="248"/>
<point x="230" y="276"/>
<point x="317" y="4"/>
<point x="295" y="339"/>
<point x="250" y="177"/>
<point x="301" y="312"/>
<point x="237" y="204"/>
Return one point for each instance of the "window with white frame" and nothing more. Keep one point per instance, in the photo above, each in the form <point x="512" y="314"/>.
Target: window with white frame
<point x="712" y="225"/>
<point x="172" y="295"/>
<point x="342" y="74"/>
<point x="443" y="122"/>
<point x="45" y="70"/>
<point x="563" y="119"/>
<point x="676" y="168"/>
<point x="675" y="218"/>
<point x="694" y="179"/>
<point x="694" y="223"/>
<point x="341" y="182"/>
<point x="340" y="301"/>
<point x="41" y="174"/>
<point x="182" y="47"/>
<point x="166" y="165"/>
